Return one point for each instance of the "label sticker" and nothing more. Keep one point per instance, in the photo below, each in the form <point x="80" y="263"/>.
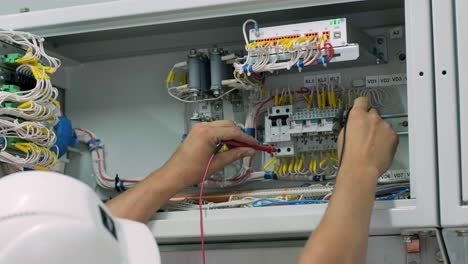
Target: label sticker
<point x="310" y="81"/>
<point x="335" y="77"/>
<point x="397" y="79"/>
<point x="322" y="78"/>
<point x="372" y="81"/>
<point x="385" y="80"/>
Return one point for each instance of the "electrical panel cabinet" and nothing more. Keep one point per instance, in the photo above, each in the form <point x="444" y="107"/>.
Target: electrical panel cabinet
<point x="118" y="88"/>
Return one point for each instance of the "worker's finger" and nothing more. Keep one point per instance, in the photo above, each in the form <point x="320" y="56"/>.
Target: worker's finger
<point x="340" y="143"/>
<point x="232" y="133"/>
<point x="361" y="103"/>
<point x="228" y="157"/>
<point x="223" y="123"/>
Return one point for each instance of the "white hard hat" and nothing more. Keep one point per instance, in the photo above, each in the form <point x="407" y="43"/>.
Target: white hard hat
<point x="50" y="218"/>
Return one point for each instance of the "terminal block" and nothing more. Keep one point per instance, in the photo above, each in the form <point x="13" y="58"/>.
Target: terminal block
<point x="313" y="121"/>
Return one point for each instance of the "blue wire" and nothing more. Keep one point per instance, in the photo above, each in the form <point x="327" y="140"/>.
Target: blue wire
<point x="267" y="202"/>
<point x="391" y="189"/>
<point x="394" y="196"/>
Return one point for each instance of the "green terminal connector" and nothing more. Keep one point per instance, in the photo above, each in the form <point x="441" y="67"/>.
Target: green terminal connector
<point x="11" y="58"/>
<point x="10" y="88"/>
<point x="10" y="104"/>
<point x="11" y="141"/>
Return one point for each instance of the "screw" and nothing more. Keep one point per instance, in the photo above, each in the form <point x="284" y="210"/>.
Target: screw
<point x="402" y="56"/>
<point x="24" y="10"/>
<point x="193" y="52"/>
<point x="404" y="123"/>
<point x="461" y="233"/>
<point x="380" y="41"/>
<point x="217" y="106"/>
<point x="257" y="33"/>
<point x="407" y="239"/>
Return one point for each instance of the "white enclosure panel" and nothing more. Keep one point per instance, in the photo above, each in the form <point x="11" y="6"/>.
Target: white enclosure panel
<point x="120" y="102"/>
<point x="17" y="6"/>
<point x="381" y="250"/>
<point x="461" y="9"/>
<point x="385" y="249"/>
<point x="452" y="211"/>
<point x="122" y="14"/>
<point x="389" y="217"/>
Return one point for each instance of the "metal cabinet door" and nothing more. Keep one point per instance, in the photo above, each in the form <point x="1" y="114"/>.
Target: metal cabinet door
<point x="451" y="77"/>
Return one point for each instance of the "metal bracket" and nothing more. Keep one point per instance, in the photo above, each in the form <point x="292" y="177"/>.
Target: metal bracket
<point x="237" y="103"/>
<point x="217" y="110"/>
<point x="424" y="246"/>
<point x="413" y="249"/>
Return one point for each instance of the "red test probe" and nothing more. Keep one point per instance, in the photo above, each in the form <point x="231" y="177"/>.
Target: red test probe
<point x="266" y="148"/>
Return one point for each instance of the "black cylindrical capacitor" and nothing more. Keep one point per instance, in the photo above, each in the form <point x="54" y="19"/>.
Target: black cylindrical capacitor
<point x="194" y="72"/>
<point x="216" y="67"/>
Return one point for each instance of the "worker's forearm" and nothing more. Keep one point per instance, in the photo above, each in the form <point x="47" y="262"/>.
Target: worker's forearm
<point x="145" y="198"/>
<point x="342" y="234"/>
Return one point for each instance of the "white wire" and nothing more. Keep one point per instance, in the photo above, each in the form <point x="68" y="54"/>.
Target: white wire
<point x="243" y="29"/>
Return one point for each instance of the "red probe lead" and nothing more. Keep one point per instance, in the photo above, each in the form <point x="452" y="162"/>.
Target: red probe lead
<point x="259" y="147"/>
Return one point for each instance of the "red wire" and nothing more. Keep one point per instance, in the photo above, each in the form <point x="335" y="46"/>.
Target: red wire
<point x="200" y="206"/>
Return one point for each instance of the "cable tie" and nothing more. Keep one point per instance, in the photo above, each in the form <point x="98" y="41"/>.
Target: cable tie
<point x="116" y="183"/>
<point x="122" y="186"/>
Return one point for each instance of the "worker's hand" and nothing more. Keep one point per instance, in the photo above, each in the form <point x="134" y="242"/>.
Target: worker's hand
<point x="370" y="141"/>
<point x="191" y="158"/>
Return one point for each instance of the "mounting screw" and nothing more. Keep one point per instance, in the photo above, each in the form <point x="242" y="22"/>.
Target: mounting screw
<point x="402" y="56"/>
<point x="257" y="33"/>
<point x="404" y="123"/>
<point x="24" y="9"/>
<point x="461" y="233"/>
<point x="406" y="239"/>
<point x="217" y="106"/>
<point x="380" y="41"/>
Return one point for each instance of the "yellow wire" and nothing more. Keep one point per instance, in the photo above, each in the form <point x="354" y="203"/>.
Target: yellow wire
<point x="311" y="100"/>
<point x="324" y="161"/>
<point x="319" y="100"/>
<point x="268" y="164"/>
<point x="291" y="165"/>
<point x="284" y="166"/>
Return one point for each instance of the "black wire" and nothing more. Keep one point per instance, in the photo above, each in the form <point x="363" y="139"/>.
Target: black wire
<point x="218" y="148"/>
<point x="343" y="145"/>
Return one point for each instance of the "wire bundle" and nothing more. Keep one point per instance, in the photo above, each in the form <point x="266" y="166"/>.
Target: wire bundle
<point x="96" y="148"/>
<point x="315" y="166"/>
<point x="284" y="53"/>
<point x="27" y="117"/>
